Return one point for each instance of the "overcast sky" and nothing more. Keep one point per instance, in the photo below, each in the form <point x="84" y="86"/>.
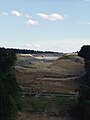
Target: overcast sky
<point x="55" y="25"/>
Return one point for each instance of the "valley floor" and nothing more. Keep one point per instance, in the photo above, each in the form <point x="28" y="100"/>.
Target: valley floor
<point x="49" y="86"/>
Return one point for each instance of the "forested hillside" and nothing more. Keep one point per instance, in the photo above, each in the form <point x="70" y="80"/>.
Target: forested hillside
<point x="9" y="89"/>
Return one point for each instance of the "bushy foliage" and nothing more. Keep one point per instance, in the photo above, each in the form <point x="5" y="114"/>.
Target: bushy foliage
<point x="84" y="92"/>
<point x="85" y="52"/>
<point x="9" y="89"/>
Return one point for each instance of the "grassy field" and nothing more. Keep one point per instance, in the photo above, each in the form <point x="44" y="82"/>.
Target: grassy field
<point x="48" y="107"/>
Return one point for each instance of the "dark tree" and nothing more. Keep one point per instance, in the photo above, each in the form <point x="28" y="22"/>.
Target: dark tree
<point x="84" y="92"/>
<point x="85" y="52"/>
<point x="9" y="89"/>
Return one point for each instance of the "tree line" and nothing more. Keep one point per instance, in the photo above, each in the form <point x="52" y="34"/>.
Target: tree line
<point x="25" y="51"/>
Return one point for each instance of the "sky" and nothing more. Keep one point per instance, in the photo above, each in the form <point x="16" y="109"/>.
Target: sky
<point x="47" y="25"/>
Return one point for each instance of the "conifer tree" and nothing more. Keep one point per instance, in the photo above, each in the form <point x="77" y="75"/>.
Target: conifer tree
<point x="9" y="89"/>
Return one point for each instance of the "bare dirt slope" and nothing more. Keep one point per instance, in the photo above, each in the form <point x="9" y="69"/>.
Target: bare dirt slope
<point x="43" y="76"/>
<point x="59" y="75"/>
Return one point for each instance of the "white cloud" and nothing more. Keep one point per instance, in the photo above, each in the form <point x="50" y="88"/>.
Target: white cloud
<point x="31" y="22"/>
<point x="16" y="13"/>
<point x="52" y="17"/>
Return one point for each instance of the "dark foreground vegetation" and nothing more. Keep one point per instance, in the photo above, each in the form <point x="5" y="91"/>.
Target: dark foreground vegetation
<point x="9" y="89"/>
<point x="84" y="92"/>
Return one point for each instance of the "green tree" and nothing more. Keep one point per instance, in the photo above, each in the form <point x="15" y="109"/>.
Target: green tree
<point x="9" y="89"/>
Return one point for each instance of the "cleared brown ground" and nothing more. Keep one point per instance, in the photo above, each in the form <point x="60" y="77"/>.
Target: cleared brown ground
<point x="37" y="75"/>
<point x="59" y="75"/>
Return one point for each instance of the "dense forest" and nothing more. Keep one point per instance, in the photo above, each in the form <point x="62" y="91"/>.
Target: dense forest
<point x="84" y="92"/>
<point x="9" y="89"/>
